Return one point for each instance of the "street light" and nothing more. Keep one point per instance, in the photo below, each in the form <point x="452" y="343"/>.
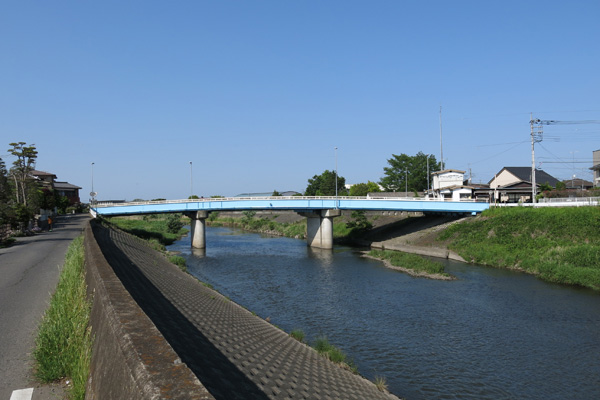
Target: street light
<point x="191" y="181"/>
<point x="336" y="179"/>
<point x="92" y="193"/>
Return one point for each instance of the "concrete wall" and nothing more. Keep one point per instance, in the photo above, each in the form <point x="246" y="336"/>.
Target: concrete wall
<point x="130" y="358"/>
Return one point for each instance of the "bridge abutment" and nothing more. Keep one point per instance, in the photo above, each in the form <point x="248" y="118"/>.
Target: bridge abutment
<point x="198" y="226"/>
<point x="319" y="227"/>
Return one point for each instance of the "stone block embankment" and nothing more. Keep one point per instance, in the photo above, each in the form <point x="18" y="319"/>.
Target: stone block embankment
<point x="130" y="359"/>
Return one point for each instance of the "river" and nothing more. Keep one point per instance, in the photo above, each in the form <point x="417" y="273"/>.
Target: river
<point x="490" y="334"/>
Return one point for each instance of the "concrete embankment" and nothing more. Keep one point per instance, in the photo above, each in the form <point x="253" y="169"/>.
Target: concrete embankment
<point x="416" y="234"/>
<point x="130" y="359"/>
<point x="162" y="334"/>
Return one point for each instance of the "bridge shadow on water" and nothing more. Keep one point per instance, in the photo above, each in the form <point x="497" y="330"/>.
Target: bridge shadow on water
<point x="218" y="375"/>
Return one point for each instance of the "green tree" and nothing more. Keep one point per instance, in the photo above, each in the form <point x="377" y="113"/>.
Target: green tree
<point x="561" y="186"/>
<point x="412" y="169"/>
<point x="5" y="194"/>
<point x="21" y="169"/>
<point x="174" y="223"/>
<point x="276" y="193"/>
<point x="324" y="185"/>
<point x="362" y="189"/>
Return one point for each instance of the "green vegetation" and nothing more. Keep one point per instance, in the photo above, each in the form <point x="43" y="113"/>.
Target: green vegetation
<point x="249" y="222"/>
<point x="298" y="335"/>
<point x="409" y="261"/>
<point x="362" y="189"/>
<point x="396" y="177"/>
<point x="157" y="229"/>
<point x="332" y="353"/>
<point x="64" y="342"/>
<point x="179" y="261"/>
<point x="341" y="229"/>
<point x="559" y="245"/>
<point x="324" y="185"/>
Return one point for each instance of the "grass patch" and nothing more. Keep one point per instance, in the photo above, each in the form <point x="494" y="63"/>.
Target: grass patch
<point x="179" y="261"/>
<point x="157" y="229"/>
<point x="381" y="383"/>
<point x="559" y="245"/>
<point x="410" y="261"/>
<point x="298" y="335"/>
<point x="64" y="341"/>
<point x="332" y="353"/>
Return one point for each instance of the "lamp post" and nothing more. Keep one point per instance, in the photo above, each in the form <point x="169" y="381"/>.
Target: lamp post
<point x="92" y="193"/>
<point x="406" y="183"/>
<point x="191" y="181"/>
<point x="336" y="179"/>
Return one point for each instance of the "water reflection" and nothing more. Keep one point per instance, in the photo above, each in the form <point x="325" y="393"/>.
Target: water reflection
<point x="324" y="256"/>
<point x="199" y="253"/>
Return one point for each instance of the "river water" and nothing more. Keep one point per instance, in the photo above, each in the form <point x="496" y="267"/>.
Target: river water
<point x="490" y="334"/>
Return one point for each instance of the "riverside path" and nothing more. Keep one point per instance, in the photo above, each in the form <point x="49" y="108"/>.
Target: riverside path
<point x="30" y="269"/>
<point x="234" y="354"/>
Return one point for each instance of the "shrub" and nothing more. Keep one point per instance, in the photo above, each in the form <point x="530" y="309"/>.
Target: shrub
<point x="174" y="223"/>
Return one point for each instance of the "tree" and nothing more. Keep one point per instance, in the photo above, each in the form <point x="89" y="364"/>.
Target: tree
<point x="275" y="193"/>
<point x="22" y="167"/>
<point x="396" y="176"/>
<point x="324" y="185"/>
<point x="362" y="189"/>
<point x="5" y="194"/>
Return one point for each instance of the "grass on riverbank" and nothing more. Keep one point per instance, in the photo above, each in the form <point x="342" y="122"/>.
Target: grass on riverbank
<point x="409" y="261"/>
<point x="559" y="245"/>
<point x="297" y="230"/>
<point x="155" y="229"/>
<point x="64" y="341"/>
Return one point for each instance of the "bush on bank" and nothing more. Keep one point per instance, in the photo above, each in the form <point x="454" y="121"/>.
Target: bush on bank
<point x="559" y="245"/>
<point x="64" y="341"/>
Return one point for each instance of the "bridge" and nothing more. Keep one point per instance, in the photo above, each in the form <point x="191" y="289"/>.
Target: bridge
<point x="319" y="210"/>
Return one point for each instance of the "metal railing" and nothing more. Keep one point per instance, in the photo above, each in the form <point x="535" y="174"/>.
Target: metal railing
<point x="100" y="204"/>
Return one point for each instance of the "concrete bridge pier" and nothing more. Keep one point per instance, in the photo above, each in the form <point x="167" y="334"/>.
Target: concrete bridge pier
<point x="198" y="226"/>
<point x="319" y="227"/>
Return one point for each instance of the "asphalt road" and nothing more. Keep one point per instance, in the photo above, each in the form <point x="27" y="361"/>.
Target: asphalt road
<point x="29" y="272"/>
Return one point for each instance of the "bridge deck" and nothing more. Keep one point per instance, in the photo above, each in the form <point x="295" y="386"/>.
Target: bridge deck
<point x="236" y="355"/>
<point x="292" y="203"/>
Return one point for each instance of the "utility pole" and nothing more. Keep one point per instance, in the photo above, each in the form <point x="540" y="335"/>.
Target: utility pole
<point x="336" y="180"/>
<point x="536" y="136"/>
<point x="191" y="181"/>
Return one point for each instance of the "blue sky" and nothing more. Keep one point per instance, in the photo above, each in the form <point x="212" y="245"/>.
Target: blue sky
<point x="257" y="94"/>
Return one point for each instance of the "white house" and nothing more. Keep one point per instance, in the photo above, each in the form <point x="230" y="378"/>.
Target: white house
<point x="449" y="184"/>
